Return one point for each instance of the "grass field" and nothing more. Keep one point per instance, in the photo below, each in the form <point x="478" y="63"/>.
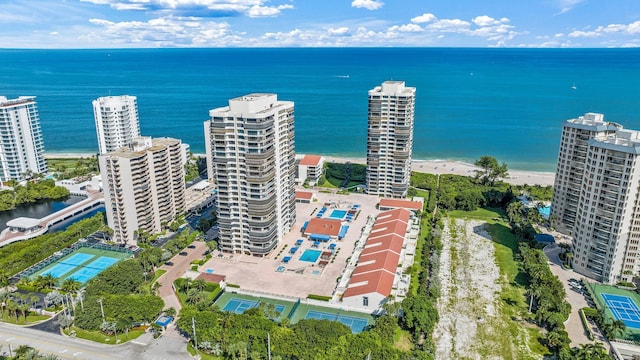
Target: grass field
<point x="101" y="337"/>
<point x="504" y="333"/>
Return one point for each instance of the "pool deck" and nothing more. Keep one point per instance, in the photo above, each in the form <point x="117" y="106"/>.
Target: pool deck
<point x="298" y="280"/>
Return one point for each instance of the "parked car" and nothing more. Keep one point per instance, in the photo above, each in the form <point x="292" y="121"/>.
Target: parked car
<point x="191" y="246"/>
<point x="169" y="263"/>
<point x="184" y="253"/>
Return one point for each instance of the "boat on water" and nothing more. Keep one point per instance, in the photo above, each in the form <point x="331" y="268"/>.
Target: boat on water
<point x="343" y="76"/>
<point x="574" y="87"/>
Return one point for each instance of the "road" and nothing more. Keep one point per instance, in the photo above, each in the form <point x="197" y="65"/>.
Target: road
<point x="143" y="348"/>
<point x="179" y="267"/>
<point x="573" y="325"/>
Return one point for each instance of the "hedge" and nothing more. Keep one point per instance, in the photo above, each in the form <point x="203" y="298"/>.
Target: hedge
<point x="318" y="297"/>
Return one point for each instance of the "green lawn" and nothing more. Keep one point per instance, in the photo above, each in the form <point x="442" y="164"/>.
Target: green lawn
<point x="31" y="318"/>
<point x="100" y="337"/>
<point x="507" y="331"/>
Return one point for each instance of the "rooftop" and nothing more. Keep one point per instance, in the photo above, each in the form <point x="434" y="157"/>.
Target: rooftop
<point x="329" y="227"/>
<point x="399" y="203"/>
<point x="380" y="282"/>
<point x="307" y="195"/>
<point x="311" y="160"/>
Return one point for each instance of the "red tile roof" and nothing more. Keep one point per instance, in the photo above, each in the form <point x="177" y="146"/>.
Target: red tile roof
<point x="388" y="228"/>
<point x="311" y="160"/>
<point x="399" y="203"/>
<point x="385" y="260"/>
<point x="306" y="195"/>
<point x="392" y="215"/>
<point x="380" y="282"/>
<point x="212" y="278"/>
<point x="391" y="242"/>
<point x="329" y="227"/>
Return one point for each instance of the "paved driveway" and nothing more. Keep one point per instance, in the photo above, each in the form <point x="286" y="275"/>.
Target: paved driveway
<point x="573" y="325"/>
<point x="179" y="267"/>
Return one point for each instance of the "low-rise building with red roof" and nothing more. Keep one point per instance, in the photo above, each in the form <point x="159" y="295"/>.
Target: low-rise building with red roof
<point x="306" y="197"/>
<point x="311" y="168"/>
<point x="391" y="204"/>
<point x="320" y="226"/>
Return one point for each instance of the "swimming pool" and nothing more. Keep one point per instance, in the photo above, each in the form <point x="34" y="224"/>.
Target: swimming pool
<point x="338" y="214"/>
<point x="310" y="255"/>
<point x="545" y="211"/>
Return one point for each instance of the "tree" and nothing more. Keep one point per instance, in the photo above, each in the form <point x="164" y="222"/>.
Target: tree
<point x="200" y="284"/>
<point x="170" y="312"/>
<point x="65" y="321"/>
<point x="70" y="285"/>
<point x="490" y="169"/>
<point x="53" y="298"/>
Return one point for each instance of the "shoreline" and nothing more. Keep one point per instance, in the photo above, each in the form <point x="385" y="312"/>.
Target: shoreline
<point x="438" y="167"/>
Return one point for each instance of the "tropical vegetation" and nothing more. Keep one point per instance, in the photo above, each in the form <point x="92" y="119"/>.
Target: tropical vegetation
<point x="31" y="192"/>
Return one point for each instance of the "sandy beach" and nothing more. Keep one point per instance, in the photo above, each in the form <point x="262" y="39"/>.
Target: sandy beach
<point x="516" y="177"/>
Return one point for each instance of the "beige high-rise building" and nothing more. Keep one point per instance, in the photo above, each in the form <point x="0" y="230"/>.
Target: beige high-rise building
<point x="21" y="145"/>
<point x="251" y="159"/>
<point x="117" y="122"/>
<point x="596" y="197"/>
<point x="143" y="186"/>
<point x="390" y="139"/>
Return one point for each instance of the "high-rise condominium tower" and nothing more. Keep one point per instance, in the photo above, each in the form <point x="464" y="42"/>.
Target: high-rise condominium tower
<point x="596" y="197"/>
<point x="390" y="139"/>
<point x="117" y="122"/>
<point x="21" y="145"/>
<point x="143" y="186"/>
<point x="251" y="158"/>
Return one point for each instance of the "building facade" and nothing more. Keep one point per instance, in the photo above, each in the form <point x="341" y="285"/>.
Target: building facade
<point x="143" y="186"/>
<point x="597" y="202"/>
<point x="251" y="159"/>
<point x="21" y="144"/>
<point x="390" y="139"/>
<point x="117" y="122"/>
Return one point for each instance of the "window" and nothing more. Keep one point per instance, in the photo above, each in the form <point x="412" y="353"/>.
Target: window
<point x="365" y="301"/>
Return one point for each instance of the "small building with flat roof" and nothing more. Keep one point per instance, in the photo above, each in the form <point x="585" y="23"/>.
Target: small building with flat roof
<point x="306" y="197"/>
<point x="24" y="224"/>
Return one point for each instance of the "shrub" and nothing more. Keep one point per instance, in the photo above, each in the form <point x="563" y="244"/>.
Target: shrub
<point x="318" y="297"/>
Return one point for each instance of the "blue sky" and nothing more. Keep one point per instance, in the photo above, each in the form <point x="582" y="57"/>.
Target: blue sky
<point x="318" y="23"/>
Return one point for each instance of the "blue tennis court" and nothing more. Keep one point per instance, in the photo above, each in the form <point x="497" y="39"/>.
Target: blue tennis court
<point x="92" y="269"/>
<point x="623" y="308"/>
<point x="68" y="264"/>
<point x="241" y="305"/>
<point x="356" y="324"/>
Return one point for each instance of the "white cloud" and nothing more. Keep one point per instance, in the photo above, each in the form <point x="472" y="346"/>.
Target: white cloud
<point x="53" y="33"/>
<point x="198" y="8"/>
<point x="367" y="4"/>
<point x="567" y="5"/>
<point x="450" y="25"/>
<point x="338" y="31"/>
<point x="406" y="28"/>
<point x="485" y="20"/>
<point x="166" y="32"/>
<point x="630" y="29"/>
<point x="424" y="18"/>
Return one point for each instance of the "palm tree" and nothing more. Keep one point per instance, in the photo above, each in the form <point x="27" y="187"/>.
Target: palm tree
<point x="12" y="306"/>
<point x="4" y="280"/>
<point x="170" y="312"/>
<point x="616" y="327"/>
<point x="34" y="301"/>
<point x="4" y="296"/>
<point x="70" y="285"/>
<point x="194" y="296"/>
<point x="48" y="281"/>
<point x="50" y="357"/>
<point x="200" y="284"/>
<point x="185" y="285"/>
<point x="22" y="351"/>
<point x="32" y="354"/>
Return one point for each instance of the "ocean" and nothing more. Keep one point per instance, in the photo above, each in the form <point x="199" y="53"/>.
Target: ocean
<point x="507" y="103"/>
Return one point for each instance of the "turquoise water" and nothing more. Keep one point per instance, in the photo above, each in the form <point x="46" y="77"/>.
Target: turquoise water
<point x="310" y="255"/>
<point x="508" y="103"/>
<point x="545" y="211"/>
<point x="338" y="214"/>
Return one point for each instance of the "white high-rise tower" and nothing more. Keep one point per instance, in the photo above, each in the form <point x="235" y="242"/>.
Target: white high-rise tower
<point x="21" y="145"/>
<point x="251" y="158"/>
<point x="117" y="122"/>
<point x="390" y="139"/>
<point x="596" y="197"/>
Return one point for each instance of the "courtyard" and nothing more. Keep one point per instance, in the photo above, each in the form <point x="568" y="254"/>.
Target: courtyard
<point x="297" y="274"/>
